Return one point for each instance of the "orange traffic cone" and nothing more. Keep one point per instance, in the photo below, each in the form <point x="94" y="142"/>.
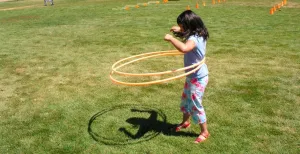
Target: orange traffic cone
<point x="188" y="8"/>
<point x="271" y="11"/>
<point x="197" y="5"/>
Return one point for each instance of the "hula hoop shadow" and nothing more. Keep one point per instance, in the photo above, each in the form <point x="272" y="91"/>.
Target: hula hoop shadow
<point x="148" y="128"/>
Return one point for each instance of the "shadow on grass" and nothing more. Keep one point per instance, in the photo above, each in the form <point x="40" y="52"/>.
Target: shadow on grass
<point x="151" y="124"/>
<point x="148" y="128"/>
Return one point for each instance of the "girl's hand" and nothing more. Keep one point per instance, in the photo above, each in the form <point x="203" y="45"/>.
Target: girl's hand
<point x="175" y="29"/>
<point x="168" y="37"/>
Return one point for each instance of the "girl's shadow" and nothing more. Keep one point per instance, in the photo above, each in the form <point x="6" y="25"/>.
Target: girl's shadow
<point x="152" y="124"/>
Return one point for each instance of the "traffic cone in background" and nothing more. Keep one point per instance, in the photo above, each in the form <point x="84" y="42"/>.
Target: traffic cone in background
<point x="279" y="6"/>
<point x="213" y="2"/>
<point x="145" y="4"/>
<point x="127" y="8"/>
<point x="197" y="5"/>
<point x="274" y="8"/>
<point x="137" y="6"/>
<point x="188" y="8"/>
<point x="284" y="2"/>
<point x="219" y="1"/>
<point x="271" y="11"/>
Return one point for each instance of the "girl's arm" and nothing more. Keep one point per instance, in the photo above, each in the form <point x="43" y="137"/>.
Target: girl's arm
<point x="182" y="47"/>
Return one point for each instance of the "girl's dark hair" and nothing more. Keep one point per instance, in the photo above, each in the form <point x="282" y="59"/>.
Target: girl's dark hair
<point x="192" y="25"/>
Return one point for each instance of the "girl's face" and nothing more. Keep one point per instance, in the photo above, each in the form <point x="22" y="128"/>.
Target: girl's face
<point x="181" y="28"/>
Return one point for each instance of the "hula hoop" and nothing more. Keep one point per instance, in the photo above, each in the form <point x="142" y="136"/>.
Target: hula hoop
<point x="144" y="54"/>
<point x="144" y="74"/>
<point x="150" y="55"/>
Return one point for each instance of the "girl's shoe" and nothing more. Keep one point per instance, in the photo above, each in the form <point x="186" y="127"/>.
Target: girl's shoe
<point x="184" y="125"/>
<point x="201" y="138"/>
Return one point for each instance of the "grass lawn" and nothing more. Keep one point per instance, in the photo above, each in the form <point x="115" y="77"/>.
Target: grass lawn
<point x="56" y="95"/>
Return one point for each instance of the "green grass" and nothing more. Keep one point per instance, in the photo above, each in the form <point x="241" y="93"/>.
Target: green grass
<point x="56" y="95"/>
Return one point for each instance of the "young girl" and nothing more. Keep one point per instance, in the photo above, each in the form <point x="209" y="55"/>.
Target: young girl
<point x="194" y="34"/>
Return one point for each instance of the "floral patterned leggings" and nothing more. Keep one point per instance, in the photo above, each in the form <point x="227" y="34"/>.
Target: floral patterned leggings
<point x="191" y="99"/>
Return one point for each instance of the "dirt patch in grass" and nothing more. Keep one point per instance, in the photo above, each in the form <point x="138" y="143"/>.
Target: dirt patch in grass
<point x="293" y="5"/>
<point x="17" y="8"/>
<point x="265" y="3"/>
<point x="14" y="8"/>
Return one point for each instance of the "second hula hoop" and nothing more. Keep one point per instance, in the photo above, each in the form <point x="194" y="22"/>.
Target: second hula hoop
<point x="140" y="57"/>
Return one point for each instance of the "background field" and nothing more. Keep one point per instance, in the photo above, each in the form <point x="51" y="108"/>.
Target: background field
<point x="56" y="95"/>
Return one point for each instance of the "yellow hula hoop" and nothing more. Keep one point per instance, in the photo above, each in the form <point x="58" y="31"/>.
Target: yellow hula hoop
<point x="140" y="55"/>
<point x="149" y="55"/>
<point x="152" y="54"/>
<point x="114" y="68"/>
